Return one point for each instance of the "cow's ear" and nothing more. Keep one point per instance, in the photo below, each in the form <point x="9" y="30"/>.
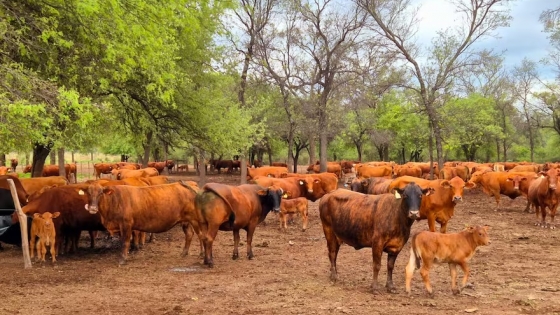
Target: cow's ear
<point x="428" y="191"/>
<point x="397" y="192"/>
<point x="365" y="183"/>
<point x="469" y="185"/>
<point x="55" y="215"/>
<point x="445" y="184"/>
<point x="509" y="179"/>
<point x="108" y="190"/>
<point x="316" y="181"/>
<point x="36" y="215"/>
<point x="542" y="173"/>
<point x="262" y="192"/>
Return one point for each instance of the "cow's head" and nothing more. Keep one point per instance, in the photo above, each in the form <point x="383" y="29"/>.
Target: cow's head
<point x="412" y="198"/>
<point x="516" y="180"/>
<point x="476" y="177"/>
<point x="356" y="185"/>
<point x="310" y="168"/>
<point x="307" y="182"/>
<point x="95" y="191"/>
<point x="273" y="194"/>
<point x="552" y="177"/>
<point x="480" y="234"/>
<point x="457" y="185"/>
<point x="46" y="225"/>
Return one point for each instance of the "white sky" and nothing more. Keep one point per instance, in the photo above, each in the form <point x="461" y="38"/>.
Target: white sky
<point x="524" y="37"/>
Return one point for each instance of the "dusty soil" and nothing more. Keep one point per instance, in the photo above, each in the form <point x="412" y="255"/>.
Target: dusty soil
<point x="516" y="274"/>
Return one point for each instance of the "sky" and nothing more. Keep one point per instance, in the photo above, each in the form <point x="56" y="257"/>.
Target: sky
<point x="523" y="38"/>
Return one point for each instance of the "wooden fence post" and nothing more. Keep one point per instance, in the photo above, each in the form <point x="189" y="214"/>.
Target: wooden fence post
<point x="22" y="224"/>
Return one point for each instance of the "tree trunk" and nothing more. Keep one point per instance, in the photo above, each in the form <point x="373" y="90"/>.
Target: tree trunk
<point x="61" y="168"/>
<point x="323" y="151"/>
<point x="140" y="160"/>
<point x="52" y="156"/>
<point x="403" y="161"/>
<point x="2" y="159"/>
<point x="40" y="154"/>
<point x="291" y="149"/>
<point x="147" y="146"/>
<point x="27" y="158"/>
<point x="498" y="150"/>
<point x="73" y="160"/>
<point x="312" y="149"/>
<point x="269" y="152"/>
<point x="201" y="168"/>
<point x="243" y="166"/>
<point x="386" y="152"/>
<point x="91" y="156"/>
<point x="431" y="151"/>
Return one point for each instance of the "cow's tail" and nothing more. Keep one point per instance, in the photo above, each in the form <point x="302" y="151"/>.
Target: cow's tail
<point x="415" y="254"/>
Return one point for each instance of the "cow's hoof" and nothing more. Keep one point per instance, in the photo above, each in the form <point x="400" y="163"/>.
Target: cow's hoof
<point x="122" y="262"/>
<point x="303" y="230"/>
<point x="250" y="256"/>
<point x="552" y="226"/>
<point x="235" y="256"/>
<point x="456" y="291"/>
<point x="391" y="290"/>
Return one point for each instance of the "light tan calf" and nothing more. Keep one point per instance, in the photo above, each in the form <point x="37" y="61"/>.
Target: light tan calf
<point x="293" y="206"/>
<point x="43" y="227"/>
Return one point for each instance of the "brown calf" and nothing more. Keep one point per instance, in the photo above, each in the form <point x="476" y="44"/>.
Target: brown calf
<point x="43" y="227"/>
<point x="454" y="249"/>
<point x="293" y="206"/>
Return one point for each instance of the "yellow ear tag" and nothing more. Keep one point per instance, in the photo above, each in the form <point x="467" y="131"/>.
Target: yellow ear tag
<point x="397" y="195"/>
<point x="81" y="192"/>
<point x="285" y="196"/>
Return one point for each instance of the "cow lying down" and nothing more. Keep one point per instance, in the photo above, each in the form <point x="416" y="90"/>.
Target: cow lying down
<point x="454" y="248"/>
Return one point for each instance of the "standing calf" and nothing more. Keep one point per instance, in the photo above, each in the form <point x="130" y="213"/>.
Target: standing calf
<point x="454" y="249"/>
<point x="293" y="206"/>
<point x="43" y="227"/>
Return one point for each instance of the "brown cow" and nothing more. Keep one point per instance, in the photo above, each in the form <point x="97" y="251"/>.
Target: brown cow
<point x="279" y="164"/>
<point x="13" y="164"/>
<point x="381" y="222"/>
<point x="293" y="206"/>
<point x="150" y="171"/>
<point x="270" y="171"/>
<point x="543" y="193"/>
<point x="407" y="170"/>
<point x="219" y="164"/>
<point x="169" y="164"/>
<point x="257" y="163"/>
<point x="43" y="228"/>
<point x="333" y="168"/>
<point x="231" y="208"/>
<point x="371" y="186"/>
<point x="102" y="168"/>
<point x="293" y="187"/>
<point x="496" y="183"/>
<point x="155" y="180"/>
<point x="147" y="209"/>
<point x="454" y="249"/>
<point x="525" y="168"/>
<point x="183" y="167"/>
<point x="448" y="172"/>
<point x="366" y="171"/>
<point x="22" y="193"/>
<point x="327" y="182"/>
<point x="73" y="219"/>
<point x="126" y="173"/>
<point x="33" y="185"/>
<point x="3" y="170"/>
<point x="27" y="169"/>
<point x="439" y="206"/>
<point x="159" y="166"/>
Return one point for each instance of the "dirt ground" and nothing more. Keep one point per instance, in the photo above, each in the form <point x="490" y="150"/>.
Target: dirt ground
<point x="516" y="274"/>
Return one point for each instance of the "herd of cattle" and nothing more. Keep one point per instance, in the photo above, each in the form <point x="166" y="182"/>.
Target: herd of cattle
<point x="377" y="211"/>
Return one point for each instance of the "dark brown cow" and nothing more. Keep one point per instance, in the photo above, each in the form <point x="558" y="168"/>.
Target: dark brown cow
<point x="13" y="164"/>
<point x="231" y="208"/>
<point x="27" y="169"/>
<point x="147" y="209"/>
<point x="73" y="218"/>
<point x="543" y="193"/>
<point x="169" y="164"/>
<point x="270" y="171"/>
<point x="236" y="164"/>
<point x="381" y="222"/>
<point x="372" y="185"/>
<point x="440" y="205"/>
<point x="257" y="163"/>
<point x="219" y="164"/>
<point x="102" y="168"/>
<point x="454" y="249"/>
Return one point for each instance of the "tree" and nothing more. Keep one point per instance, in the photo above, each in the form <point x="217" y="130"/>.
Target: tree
<point x="450" y="53"/>
<point x="524" y="77"/>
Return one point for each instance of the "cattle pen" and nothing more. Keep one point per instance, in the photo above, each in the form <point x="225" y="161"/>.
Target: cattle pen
<point x="516" y="274"/>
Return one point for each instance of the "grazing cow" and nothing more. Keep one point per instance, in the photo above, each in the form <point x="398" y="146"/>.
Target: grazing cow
<point x="43" y="228"/>
<point x="543" y="193"/>
<point x="293" y="187"/>
<point x="454" y="249"/>
<point x="102" y="168"/>
<point x="497" y="183"/>
<point x="381" y="222"/>
<point x="13" y="164"/>
<point x="279" y="164"/>
<point x="270" y="171"/>
<point x="293" y="206"/>
<point x="236" y="165"/>
<point x="440" y="205"/>
<point x="371" y="186"/>
<point x="231" y="208"/>
<point x="183" y="167"/>
<point x="35" y="184"/>
<point x="73" y="219"/>
<point x="153" y="209"/>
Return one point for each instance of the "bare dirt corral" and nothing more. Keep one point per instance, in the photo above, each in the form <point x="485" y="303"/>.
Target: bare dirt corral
<point x="516" y="274"/>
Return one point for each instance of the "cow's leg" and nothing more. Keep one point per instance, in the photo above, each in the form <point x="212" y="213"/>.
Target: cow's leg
<point x="497" y="197"/>
<point x="250" y="231"/>
<point x="208" y="242"/>
<point x="466" y="272"/>
<point x="75" y="240"/>
<point x="305" y="219"/>
<point x="152" y="238"/>
<point x="432" y="223"/>
<point x="283" y="220"/>
<point x="425" y="273"/>
<point x="189" y="233"/>
<point x="92" y="237"/>
<point x="333" y="246"/>
<point x="391" y="258"/>
<point x="538" y="210"/>
<point x="135" y="239"/>
<point x="453" y="273"/>
<point x="32" y="247"/>
<point x="409" y="270"/>
<point x="53" y="250"/>
<point x="443" y="227"/>
<point x="527" y="207"/>
<point x="126" y="234"/>
<point x="543" y="216"/>
<point x="552" y="215"/>
<point x="236" y="243"/>
<point x="376" y="253"/>
<point x="43" y="250"/>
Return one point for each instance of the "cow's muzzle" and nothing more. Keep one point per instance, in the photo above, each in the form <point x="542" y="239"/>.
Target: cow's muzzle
<point x="457" y="199"/>
<point x="552" y="187"/>
<point x="91" y="209"/>
<point x="276" y="210"/>
<point x="414" y="215"/>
